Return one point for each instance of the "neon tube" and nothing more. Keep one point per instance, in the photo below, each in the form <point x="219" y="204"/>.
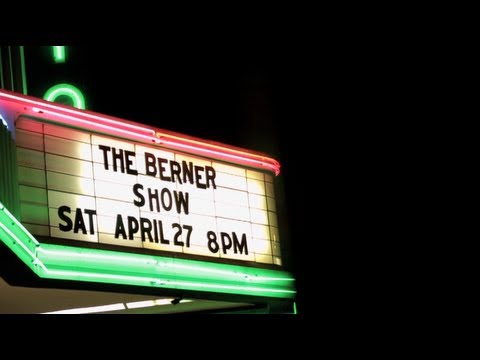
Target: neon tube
<point x="119" y="128"/>
<point x="82" y="264"/>
<point x="219" y="149"/>
<point x="148" y="264"/>
<point x="102" y="259"/>
<point x="118" y="306"/>
<point x="90" y="310"/>
<point x="59" y="54"/>
<point x="74" y="121"/>
<point x="66" y="90"/>
<point x="24" y="75"/>
<point x="229" y="287"/>
<point x="226" y="156"/>
<point x="248" y="277"/>
<point x="29" y="261"/>
<point x="150" y="303"/>
<point x="6" y="217"/>
<point x="166" y="283"/>
<point x="22" y="99"/>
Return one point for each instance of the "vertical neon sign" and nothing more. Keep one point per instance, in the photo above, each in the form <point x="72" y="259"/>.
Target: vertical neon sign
<point x="59" y="55"/>
<point x="68" y="90"/>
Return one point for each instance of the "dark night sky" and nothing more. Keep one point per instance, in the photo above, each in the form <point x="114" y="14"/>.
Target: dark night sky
<point x="234" y="95"/>
<point x="243" y="94"/>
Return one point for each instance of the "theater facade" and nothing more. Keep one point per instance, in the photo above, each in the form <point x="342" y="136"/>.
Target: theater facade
<point x="100" y="214"/>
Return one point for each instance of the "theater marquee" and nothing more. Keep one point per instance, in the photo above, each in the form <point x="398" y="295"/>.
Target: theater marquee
<point x="87" y="187"/>
<point x="121" y="186"/>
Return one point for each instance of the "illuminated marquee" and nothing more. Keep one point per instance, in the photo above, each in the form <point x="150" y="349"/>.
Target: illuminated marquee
<point x="80" y="185"/>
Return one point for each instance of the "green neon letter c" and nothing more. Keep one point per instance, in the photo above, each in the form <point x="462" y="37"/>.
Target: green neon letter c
<point x="66" y="90"/>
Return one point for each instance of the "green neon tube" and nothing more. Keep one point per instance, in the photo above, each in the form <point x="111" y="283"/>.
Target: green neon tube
<point x="100" y="259"/>
<point x="130" y="269"/>
<point x="59" y="55"/>
<point x="24" y="75"/>
<point x="95" y="265"/>
<point x="17" y="247"/>
<point x="66" y="90"/>
<point x="11" y="224"/>
<point x="11" y="70"/>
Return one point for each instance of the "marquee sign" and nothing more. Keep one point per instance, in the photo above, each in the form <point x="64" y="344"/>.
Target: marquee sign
<point x="82" y="186"/>
<point x="89" y="178"/>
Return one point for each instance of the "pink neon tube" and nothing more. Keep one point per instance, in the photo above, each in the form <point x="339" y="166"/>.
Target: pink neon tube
<point x="115" y="126"/>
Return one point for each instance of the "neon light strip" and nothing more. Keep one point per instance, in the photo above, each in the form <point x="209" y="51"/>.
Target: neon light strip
<point x="149" y="263"/>
<point x="16" y="240"/>
<point x="107" y="260"/>
<point x="155" y="282"/>
<point x="230" y="273"/>
<point x="204" y="285"/>
<point x="119" y="279"/>
<point x="78" y="113"/>
<point x="24" y="75"/>
<point x="150" y="303"/>
<point x="59" y="54"/>
<point x="90" y="310"/>
<point x="230" y="287"/>
<point x="272" y="167"/>
<point x="15" y="222"/>
<point x="118" y="306"/>
<point x="219" y="148"/>
<point x="59" y="262"/>
<point x="149" y="139"/>
<point x="107" y="128"/>
<point x="66" y="90"/>
<point x="11" y="68"/>
<point x="216" y="151"/>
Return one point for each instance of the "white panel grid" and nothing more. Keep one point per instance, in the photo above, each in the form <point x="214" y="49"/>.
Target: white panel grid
<point x="32" y="177"/>
<point x="257" y="201"/>
<point x="30" y="194"/>
<point x="99" y="173"/>
<point x="70" y="184"/>
<point x="66" y="133"/>
<point x="234" y="232"/>
<point x="68" y="165"/>
<point x="243" y="202"/>
<point x="42" y="230"/>
<point x="28" y="124"/>
<point x="57" y="199"/>
<point x="111" y="191"/>
<point x="228" y="169"/>
<point x="231" y="181"/>
<point x="68" y="148"/>
<point x="104" y="238"/>
<point x="107" y="227"/>
<point x="81" y="225"/>
<point x="262" y="244"/>
<point x="30" y="158"/>
<point x="201" y="226"/>
<point x="108" y="206"/>
<point x="163" y="232"/>
<point x="30" y="140"/>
